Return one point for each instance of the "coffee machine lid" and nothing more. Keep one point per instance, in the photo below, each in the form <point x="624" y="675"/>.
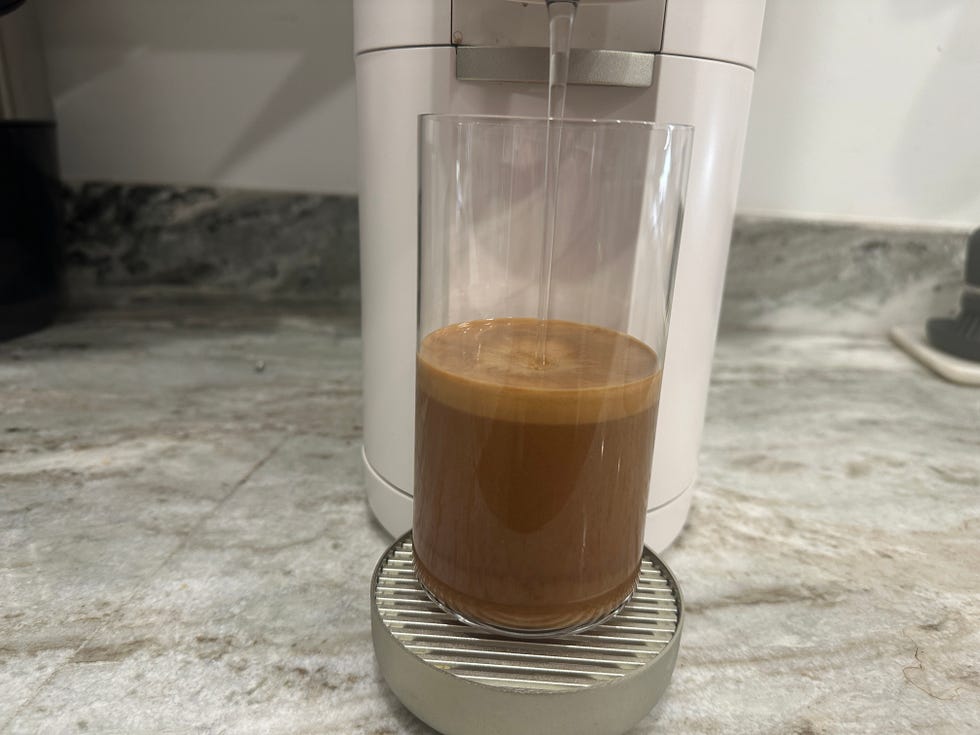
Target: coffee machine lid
<point x="462" y="680"/>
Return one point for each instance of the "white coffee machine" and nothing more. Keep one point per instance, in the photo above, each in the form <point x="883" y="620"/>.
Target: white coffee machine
<point x="678" y="61"/>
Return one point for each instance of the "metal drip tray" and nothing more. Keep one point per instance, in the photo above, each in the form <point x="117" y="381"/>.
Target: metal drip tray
<point x="462" y="680"/>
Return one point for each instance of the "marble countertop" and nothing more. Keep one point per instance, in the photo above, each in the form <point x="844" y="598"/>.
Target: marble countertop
<point x="185" y="544"/>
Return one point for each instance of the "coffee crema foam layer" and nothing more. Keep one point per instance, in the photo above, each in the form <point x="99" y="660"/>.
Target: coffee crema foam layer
<point x="491" y="368"/>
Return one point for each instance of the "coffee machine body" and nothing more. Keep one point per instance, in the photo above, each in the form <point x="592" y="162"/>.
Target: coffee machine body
<point x="677" y="61"/>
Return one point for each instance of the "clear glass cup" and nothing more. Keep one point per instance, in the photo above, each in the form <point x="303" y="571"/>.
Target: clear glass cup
<point x="538" y="373"/>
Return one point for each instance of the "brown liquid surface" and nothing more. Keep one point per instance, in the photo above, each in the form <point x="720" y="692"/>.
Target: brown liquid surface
<point x="531" y="479"/>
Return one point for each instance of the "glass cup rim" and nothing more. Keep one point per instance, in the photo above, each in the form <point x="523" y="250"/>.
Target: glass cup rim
<point x="540" y="120"/>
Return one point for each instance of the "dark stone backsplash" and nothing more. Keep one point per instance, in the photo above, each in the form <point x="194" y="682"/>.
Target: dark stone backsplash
<point x="282" y="245"/>
<point x="304" y="246"/>
<point x="837" y="277"/>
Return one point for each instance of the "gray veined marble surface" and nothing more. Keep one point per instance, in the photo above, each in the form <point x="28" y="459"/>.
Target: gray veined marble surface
<point x="185" y="544"/>
<point x="285" y="246"/>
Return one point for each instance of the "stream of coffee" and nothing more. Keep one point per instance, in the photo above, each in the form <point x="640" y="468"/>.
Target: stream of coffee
<point x="561" y="16"/>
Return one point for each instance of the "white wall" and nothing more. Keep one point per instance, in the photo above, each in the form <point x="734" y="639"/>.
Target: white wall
<point x="866" y="109"/>
<point x="243" y="93"/>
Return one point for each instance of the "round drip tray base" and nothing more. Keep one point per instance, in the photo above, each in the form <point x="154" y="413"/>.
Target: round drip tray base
<point x="463" y="680"/>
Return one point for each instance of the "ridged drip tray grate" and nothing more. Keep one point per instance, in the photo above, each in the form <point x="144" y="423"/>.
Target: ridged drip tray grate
<point x="461" y="679"/>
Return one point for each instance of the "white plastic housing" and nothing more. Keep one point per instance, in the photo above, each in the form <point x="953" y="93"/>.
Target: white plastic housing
<point x="397" y="82"/>
<point x="630" y="25"/>
<point x="724" y="30"/>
